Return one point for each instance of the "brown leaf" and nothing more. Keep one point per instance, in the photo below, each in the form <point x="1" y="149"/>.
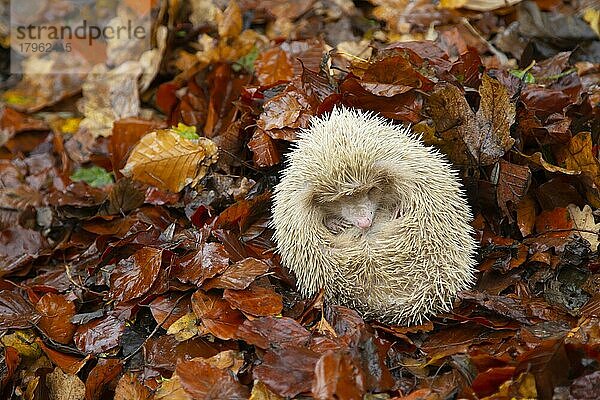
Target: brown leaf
<point x="168" y="309"/>
<point x="555" y="220"/>
<point x="129" y="388"/>
<point x="134" y="276"/>
<point x="405" y="107"/>
<point x="239" y="275"/>
<point x="100" y="335"/>
<point x="16" y="312"/>
<point x="487" y="382"/>
<point x="256" y="300"/>
<point x="13" y="122"/>
<point x="196" y="267"/>
<point x="526" y="213"/>
<point x="287" y="371"/>
<point x="452" y="118"/>
<point x="337" y="377"/>
<point x="204" y="381"/>
<point x="168" y="161"/>
<point x="64" y="385"/>
<point x="513" y="183"/>
<point x="66" y="362"/>
<point x="486" y="135"/>
<point x="262" y="332"/>
<point x="216" y="314"/>
<point x="290" y="109"/>
<point x="125" y="196"/>
<point x="100" y="377"/>
<point x="390" y="76"/>
<point x="579" y="156"/>
<point x="491" y="139"/>
<point x="264" y="151"/>
<point x="56" y="313"/>
<point x="273" y="66"/>
<point x="19" y="246"/>
<point x="547" y="362"/>
<point x="163" y="352"/>
<point x="125" y="134"/>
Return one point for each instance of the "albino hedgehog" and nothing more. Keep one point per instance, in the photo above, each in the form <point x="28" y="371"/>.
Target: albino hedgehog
<point x="367" y="212"/>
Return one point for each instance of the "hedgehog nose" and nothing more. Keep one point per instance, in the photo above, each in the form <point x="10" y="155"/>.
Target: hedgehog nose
<point x="363" y="222"/>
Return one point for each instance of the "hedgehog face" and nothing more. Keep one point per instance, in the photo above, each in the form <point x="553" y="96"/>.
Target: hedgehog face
<point x="357" y="210"/>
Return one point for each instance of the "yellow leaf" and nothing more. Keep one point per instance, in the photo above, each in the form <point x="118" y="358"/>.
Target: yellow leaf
<point x="168" y="161"/>
<point x="260" y="391"/>
<point x="579" y="155"/>
<point x="478" y="5"/>
<point x="592" y="17"/>
<point x="230" y="22"/>
<point x="184" y="328"/>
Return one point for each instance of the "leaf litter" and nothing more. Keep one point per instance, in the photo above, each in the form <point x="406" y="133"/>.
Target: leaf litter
<point x="136" y="257"/>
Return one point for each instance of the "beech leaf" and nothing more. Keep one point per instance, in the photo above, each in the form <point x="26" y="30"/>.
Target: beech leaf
<point x="169" y="161"/>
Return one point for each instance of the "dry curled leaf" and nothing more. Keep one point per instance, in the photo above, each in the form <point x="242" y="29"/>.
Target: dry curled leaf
<point x="168" y="161"/>
<point x="485" y="134"/>
<point x="496" y="114"/>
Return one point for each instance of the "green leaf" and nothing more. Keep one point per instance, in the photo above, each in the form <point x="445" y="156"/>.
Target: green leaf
<point x="524" y="75"/>
<point x="186" y="132"/>
<point x="93" y="176"/>
<point x="246" y="62"/>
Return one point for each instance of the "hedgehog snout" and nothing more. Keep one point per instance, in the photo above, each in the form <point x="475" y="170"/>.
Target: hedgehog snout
<point x="364" y="222"/>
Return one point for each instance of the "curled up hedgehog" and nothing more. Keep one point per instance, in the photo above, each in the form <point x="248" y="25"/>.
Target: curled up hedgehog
<point x="378" y="220"/>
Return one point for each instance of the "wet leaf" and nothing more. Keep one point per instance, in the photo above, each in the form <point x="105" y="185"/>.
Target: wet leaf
<point x="513" y="183"/>
<point x="204" y="381"/>
<point x="261" y="332"/>
<point x="256" y="300"/>
<point x="134" y="276"/>
<point x="264" y="151"/>
<point x="288" y="371"/>
<point x="216" y="314"/>
<point x="19" y="246"/>
<point x="579" y="156"/>
<point x="547" y="363"/>
<point x="273" y="66"/>
<point x="196" y="267"/>
<point x="239" y="275"/>
<point x="56" y="312"/>
<point x="16" y="312"/>
<point x="495" y="116"/>
<point x="68" y="363"/>
<point x="99" y="335"/>
<point x="337" y="377"/>
<point x="100" y="377"/>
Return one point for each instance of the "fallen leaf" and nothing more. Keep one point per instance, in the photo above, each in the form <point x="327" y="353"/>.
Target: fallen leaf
<point x="16" y="312"/>
<point x="168" y="161"/>
<point x="129" y="388"/>
<point x="64" y="386"/>
<point x="56" y="312"/>
<point x="584" y="220"/>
